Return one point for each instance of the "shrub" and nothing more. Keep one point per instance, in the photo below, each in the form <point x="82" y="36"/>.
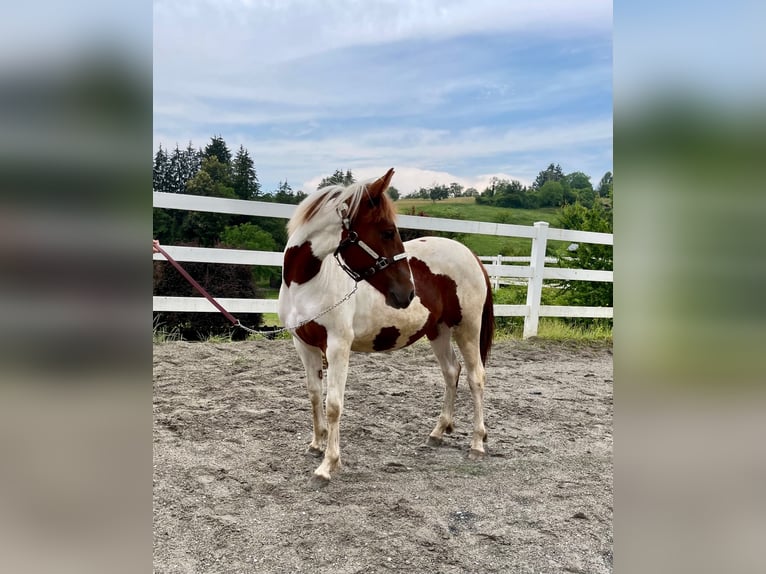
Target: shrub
<point x="220" y="280"/>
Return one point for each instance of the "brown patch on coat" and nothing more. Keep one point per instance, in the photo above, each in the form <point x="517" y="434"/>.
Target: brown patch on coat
<point x="438" y="294"/>
<point x="313" y="334"/>
<point x="300" y="264"/>
<point x="386" y="339"/>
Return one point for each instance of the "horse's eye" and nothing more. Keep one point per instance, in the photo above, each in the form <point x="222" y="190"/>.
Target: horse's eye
<point x="388" y="234"/>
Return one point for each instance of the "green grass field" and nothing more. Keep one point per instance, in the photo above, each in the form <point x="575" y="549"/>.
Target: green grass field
<point x="466" y="208"/>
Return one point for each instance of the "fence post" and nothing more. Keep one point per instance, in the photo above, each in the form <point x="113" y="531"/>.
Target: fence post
<point x="496" y="278"/>
<point x="535" y="283"/>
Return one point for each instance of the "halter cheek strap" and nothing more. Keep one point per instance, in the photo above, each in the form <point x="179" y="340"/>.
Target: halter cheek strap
<point x="353" y="239"/>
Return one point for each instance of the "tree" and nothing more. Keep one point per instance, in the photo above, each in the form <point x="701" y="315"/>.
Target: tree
<point x="578" y="180"/>
<point x="217" y="148"/>
<point x="511" y="194"/>
<point x="586" y="197"/>
<point x="605" y="185"/>
<point x="285" y="194"/>
<point x="189" y="164"/>
<point x="489" y="191"/>
<point x="213" y="180"/>
<point x="160" y="171"/>
<point x="244" y="178"/>
<point x="551" y="194"/>
<point x="393" y="193"/>
<point x="438" y="192"/>
<point x="174" y="184"/>
<point x="455" y="189"/>
<point x="338" y="178"/>
<point x="250" y="236"/>
<point x="551" y="173"/>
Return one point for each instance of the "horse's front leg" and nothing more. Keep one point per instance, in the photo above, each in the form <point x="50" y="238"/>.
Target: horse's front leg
<point x="337" y="369"/>
<point x="311" y="357"/>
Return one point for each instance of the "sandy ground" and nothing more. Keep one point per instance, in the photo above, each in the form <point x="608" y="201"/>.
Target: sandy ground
<point x="231" y="475"/>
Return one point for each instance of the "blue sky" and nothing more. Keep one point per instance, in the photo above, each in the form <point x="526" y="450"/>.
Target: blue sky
<point x="440" y="90"/>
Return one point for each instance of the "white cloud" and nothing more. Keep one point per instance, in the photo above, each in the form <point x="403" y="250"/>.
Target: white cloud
<point x="290" y="29"/>
<point x="307" y="88"/>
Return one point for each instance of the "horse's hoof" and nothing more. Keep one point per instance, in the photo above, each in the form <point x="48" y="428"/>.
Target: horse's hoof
<point x="315" y="452"/>
<point x="434" y="441"/>
<point x="475" y="454"/>
<point x="317" y="481"/>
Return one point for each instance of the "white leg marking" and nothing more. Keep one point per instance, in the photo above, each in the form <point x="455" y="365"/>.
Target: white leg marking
<point x="311" y="357"/>
<point x="337" y="370"/>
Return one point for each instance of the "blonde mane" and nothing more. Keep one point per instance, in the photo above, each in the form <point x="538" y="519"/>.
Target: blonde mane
<point x="328" y="198"/>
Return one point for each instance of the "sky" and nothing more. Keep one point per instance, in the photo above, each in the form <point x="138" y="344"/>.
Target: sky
<point x="441" y="90"/>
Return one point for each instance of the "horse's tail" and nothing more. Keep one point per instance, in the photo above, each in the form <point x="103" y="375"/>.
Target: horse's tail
<point x="487" y="332"/>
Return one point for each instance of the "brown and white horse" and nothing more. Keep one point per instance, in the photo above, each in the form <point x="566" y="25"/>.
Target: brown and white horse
<point x="342" y="236"/>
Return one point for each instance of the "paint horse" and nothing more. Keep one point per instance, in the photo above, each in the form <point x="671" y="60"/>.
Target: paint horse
<point x="340" y="237"/>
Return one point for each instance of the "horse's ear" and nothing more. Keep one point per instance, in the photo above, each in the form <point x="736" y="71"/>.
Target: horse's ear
<point x="377" y="187"/>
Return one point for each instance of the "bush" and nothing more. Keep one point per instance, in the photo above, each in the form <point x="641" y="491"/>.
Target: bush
<point x="587" y="256"/>
<point x="220" y="280"/>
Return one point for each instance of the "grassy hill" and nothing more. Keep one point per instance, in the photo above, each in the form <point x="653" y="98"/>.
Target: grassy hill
<point x="467" y="209"/>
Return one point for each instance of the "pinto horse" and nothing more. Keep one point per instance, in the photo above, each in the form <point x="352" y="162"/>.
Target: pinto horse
<point x="350" y="284"/>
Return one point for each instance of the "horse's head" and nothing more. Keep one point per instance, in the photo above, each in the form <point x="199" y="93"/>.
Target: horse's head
<point x="371" y="248"/>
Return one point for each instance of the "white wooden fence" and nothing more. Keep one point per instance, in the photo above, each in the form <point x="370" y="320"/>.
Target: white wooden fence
<point x="534" y="273"/>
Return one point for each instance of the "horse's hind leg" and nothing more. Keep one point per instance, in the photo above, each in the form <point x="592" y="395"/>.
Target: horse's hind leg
<point x="311" y="357"/>
<point x="468" y="341"/>
<point x="450" y="366"/>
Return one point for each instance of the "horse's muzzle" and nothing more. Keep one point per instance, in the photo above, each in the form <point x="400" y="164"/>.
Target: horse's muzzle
<point x="400" y="299"/>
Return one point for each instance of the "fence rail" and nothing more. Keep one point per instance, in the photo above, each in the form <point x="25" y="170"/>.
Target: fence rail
<point x="535" y="272"/>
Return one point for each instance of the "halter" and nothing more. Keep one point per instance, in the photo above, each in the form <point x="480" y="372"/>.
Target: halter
<point x="353" y="239"/>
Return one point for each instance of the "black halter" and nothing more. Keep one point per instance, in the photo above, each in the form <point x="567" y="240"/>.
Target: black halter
<point x="352" y="238"/>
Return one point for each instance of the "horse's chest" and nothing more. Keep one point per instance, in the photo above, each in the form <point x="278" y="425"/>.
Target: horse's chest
<point x="383" y="328"/>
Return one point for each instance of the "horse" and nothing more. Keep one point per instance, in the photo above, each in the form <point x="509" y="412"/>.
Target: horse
<point x="349" y="283"/>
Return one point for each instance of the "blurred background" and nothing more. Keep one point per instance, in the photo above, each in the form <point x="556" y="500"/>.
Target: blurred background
<point x="75" y="282"/>
<point x="690" y="274"/>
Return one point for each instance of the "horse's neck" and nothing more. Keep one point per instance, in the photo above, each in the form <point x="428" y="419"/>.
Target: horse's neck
<point x="323" y="240"/>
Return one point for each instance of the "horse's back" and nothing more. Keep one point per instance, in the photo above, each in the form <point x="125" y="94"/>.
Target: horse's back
<point x="447" y="258"/>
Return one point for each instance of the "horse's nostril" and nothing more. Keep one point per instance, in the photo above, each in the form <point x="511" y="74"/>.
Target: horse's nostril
<point x="412" y="295"/>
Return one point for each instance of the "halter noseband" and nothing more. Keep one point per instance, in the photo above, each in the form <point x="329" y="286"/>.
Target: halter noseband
<point x="353" y="239"/>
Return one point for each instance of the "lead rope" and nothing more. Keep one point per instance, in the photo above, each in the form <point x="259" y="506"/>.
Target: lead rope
<point x="236" y="322"/>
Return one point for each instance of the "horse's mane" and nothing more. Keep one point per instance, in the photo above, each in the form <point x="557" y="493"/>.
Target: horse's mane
<point x="332" y="196"/>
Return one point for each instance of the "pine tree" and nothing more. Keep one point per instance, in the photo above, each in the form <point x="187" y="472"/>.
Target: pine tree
<point x="160" y="171"/>
<point x="217" y="147"/>
<point x="284" y="193"/>
<point x="244" y="178"/>
<point x="175" y="184"/>
<point x="190" y="163"/>
<point x="338" y="178"/>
